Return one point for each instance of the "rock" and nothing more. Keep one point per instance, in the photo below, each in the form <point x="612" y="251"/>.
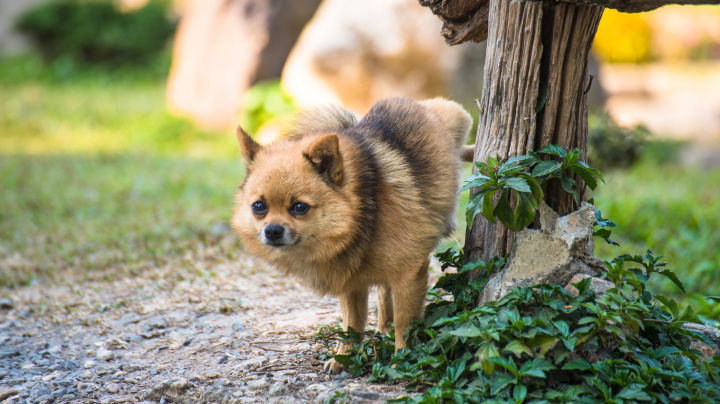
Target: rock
<point x="6" y="392"/>
<point x="6" y="304"/>
<point x="354" y="53"/>
<point x="154" y="327"/>
<point x="257" y="384"/>
<point x="316" y="387"/>
<point x="597" y="285"/>
<point x="113" y="388"/>
<point x="45" y="399"/>
<point x="171" y="389"/>
<point x="367" y="395"/>
<point x="8" y="354"/>
<point x="59" y="393"/>
<point x="88" y="364"/>
<point x="237" y="326"/>
<point x="560" y="250"/>
<point x="104" y="354"/>
<point x="223" y="46"/>
<point x="16" y="381"/>
<point x="278" y="389"/>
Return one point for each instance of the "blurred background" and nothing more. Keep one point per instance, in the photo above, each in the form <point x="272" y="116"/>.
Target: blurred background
<point x="118" y="153"/>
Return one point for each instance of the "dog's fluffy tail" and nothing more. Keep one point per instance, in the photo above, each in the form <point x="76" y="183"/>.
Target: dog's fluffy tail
<point x="324" y="119"/>
<point x="456" y="120"/>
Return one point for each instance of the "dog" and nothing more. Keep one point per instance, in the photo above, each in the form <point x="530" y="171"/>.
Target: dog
<point x="344" y="203"/>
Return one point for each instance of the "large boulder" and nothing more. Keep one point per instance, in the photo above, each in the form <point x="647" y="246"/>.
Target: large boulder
<point x="354" y="53"/>
<point x="222" y="47"/>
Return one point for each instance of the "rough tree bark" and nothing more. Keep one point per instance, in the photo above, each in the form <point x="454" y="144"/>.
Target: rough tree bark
<point x="534" y="95"/>
<point x="535" y="83"/>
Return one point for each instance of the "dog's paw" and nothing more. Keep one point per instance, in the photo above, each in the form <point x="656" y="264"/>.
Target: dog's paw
<point x="332" y="367"/>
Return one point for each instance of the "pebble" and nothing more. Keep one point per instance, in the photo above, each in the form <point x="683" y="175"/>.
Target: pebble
<point x="257" y="384"/>
<point x="59" y="393"/>
<point x="88" y="364"/>
<point x="367" y="395"/>
<point x="113" y="388"/>
<point x="6" y="392"/>
<point x="278" y="389"/>
<point x="46" y="399"/>
<point x="6" y="304"/>
<point x="105" y="354"/>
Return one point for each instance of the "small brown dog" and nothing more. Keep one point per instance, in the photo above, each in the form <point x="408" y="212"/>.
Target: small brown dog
<point x="344" y="204"/>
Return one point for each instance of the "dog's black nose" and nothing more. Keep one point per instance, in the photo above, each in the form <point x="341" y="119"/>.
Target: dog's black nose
<point x="274" y="232"/>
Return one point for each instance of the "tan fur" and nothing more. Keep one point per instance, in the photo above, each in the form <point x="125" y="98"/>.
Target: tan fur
<point x="326" y="169"/>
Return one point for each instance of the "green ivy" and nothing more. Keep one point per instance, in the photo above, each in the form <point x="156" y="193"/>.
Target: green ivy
<point x="541" y="344"/>
<point x="526" y="177"/>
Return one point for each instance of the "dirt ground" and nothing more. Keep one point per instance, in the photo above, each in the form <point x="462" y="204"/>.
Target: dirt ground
<point x="234" y="332"/>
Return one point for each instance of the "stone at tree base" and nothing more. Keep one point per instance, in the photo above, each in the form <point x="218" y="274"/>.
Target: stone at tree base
<point x="597" y="285"/>
<point x="560" y="250"/>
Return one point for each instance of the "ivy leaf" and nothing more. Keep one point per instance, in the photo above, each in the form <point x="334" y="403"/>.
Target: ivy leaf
<point x="500" y="383"/>
<point x="518" y="184"/>
<point x="545" y="168"/>
<point x="671" y="275"/>
<point x="553" y="149"/>
<point x="503" y="211"/>
<point x="670" y="304"/>
<point x="569" y="185"/>
<point x="517" y="348"/>
<point x="487" y="206"/>
<point x="633" y="393"/>
<point x="525" y="211"/>
<point x="579" y="364"/>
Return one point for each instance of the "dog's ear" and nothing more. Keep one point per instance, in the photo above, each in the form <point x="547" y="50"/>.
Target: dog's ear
<point x="324" y="155"/>
<point x="248" y="147"/>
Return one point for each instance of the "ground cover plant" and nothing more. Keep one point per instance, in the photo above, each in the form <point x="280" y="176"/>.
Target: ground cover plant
<point x="542" y="344"/>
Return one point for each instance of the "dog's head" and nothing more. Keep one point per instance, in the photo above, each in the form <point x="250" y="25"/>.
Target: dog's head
<point x="290" y="201"/>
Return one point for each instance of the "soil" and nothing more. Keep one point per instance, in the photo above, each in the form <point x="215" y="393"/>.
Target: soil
<point x="231" y="332"/>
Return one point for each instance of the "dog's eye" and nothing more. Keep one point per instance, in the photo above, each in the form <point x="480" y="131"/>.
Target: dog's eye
<point x="259" y="208"/>
<point x="299" y="208"/>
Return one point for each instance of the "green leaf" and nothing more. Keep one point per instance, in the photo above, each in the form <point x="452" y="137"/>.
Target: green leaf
<point x="500" y="383"/>
<point x="671" y="275"/>
<point x="555" y="150"/>
<point x="487" y="206"/>
<point x="522" y="160"/>
<point x="714" y="298"/>
<point x="545" y="168"/>
<point x="503" y="211"/>
<point x="476" y="182"/>
<point x="516" y="347"/>
<point x="518" y="184"/>
<point x="670" y="304"/>
<point x="474" y="207"/>
<point x="524" y="211"/>
<point x="541" y="344"/>
<point x="633" y="393"/>
<point x="468" y="331"/>
<point x="569" y="185"/>
<point x="578" y="364"/>
<point x="487" y="350"/>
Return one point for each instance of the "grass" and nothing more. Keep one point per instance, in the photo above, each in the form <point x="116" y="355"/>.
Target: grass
<point x="97" y="176"/>
<point x="674" y="210"/>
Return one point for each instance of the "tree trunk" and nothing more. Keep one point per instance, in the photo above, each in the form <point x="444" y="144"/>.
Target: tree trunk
<point x="534" y="95"/>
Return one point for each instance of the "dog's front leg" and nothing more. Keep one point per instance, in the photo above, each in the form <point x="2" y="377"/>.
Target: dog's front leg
<point x="354" y="308"/>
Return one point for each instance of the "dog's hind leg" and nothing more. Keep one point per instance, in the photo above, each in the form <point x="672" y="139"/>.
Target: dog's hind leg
<point x="354" y="308"/>
<point x="385" y="308"/>
<point x="409" y="297"/>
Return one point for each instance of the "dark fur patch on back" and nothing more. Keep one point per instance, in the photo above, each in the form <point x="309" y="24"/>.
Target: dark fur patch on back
<point x="397" y="122"/>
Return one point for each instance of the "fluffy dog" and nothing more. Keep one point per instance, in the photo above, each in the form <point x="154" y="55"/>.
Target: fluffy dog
<point x="345" y="203"/>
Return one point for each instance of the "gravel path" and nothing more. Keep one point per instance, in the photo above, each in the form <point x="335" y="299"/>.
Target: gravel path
<point x="228" y="333"/>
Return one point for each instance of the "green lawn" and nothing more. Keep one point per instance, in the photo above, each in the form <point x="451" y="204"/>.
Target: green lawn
<point x="95" y="174"/>
<point x="97" y="177"/>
